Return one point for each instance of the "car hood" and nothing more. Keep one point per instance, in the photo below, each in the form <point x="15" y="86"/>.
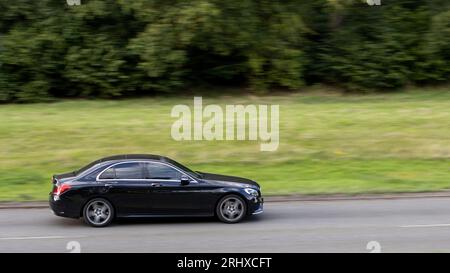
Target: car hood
<point x="211" y="177"/>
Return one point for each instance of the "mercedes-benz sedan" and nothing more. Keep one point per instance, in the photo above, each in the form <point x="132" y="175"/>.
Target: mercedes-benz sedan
<point x="151" y="186"/>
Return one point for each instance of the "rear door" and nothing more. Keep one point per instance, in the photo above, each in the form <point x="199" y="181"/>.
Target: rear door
<point x="127" y="188"/>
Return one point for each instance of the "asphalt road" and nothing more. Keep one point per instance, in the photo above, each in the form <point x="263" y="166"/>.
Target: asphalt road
<point x="404" y="225"/>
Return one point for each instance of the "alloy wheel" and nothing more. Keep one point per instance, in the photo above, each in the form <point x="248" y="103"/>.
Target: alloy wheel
<point x="98" y="212"/>
<point x="232" y="209"/>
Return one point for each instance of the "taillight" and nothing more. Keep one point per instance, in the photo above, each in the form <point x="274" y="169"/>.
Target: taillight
<point x="58" y="190"/>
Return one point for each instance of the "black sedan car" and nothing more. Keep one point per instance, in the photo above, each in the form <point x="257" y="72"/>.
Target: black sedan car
<point x="151" y="186"/>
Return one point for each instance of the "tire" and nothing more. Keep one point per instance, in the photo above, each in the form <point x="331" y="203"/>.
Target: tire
<point x="231" y="209"/>
<point x="98" y="212"/>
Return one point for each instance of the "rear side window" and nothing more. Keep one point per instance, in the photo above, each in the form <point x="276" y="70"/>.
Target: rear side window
<point x="90" y="177"/>
<point x="159" y="171"/>
<point x="108" y="174"/>
<point x="124" y="171"/>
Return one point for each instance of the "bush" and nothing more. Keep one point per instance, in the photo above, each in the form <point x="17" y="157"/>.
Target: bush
<point x="113" y="48"/>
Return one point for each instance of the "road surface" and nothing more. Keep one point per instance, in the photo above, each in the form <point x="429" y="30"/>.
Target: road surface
<point x="403" y="225"/>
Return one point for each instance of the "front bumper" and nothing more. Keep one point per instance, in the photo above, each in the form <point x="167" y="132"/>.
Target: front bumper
<point x="259" y="210"/>
<point x="257" y="206"/>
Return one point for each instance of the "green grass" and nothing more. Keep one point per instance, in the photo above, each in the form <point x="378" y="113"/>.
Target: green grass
<point x="329" y="143"/>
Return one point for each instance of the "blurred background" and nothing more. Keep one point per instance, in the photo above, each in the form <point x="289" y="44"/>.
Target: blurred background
<point x="363" y="89"/>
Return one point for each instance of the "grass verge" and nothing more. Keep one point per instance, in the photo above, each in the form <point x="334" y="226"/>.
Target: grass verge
<point x="329" y="142"/>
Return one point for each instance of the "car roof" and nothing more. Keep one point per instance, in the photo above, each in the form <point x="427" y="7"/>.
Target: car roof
<point x="132" y="156"/>
<point x="123" y="157"/>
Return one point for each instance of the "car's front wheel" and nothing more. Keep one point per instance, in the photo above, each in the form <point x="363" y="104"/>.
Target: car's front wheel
<point x="231" y="209"/>
<point x="98" y="212"/>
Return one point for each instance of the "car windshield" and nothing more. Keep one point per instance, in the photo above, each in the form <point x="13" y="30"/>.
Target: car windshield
<point x="183" y="168"/>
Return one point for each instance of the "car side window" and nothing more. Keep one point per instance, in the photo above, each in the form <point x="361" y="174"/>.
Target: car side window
<point x="132" y="170"/>
<point x="90" y="177"/>
<point x="108" y="174"/>
<point x="160" y="171"/>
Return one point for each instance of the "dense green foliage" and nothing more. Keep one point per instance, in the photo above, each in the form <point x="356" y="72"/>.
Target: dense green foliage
<point x="109" y="48"/>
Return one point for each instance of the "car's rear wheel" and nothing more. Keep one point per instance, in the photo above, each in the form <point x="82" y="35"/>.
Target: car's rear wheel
<point x="98" y="212"/>
<point x="231" y="209"/>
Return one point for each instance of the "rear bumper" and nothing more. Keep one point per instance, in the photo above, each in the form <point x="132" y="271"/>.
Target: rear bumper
<point x="63" y="208"/>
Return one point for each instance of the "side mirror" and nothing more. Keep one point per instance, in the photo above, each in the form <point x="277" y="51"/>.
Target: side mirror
<point x="185" y="180"/>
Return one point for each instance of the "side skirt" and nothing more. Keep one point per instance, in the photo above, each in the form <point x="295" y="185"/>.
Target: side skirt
<point x="163" y="215"/>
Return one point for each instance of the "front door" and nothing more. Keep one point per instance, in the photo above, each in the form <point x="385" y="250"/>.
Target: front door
<point x="170" y="197"/>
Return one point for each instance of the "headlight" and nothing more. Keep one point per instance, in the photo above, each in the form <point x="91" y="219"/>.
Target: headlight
<point x="252" y="192"/>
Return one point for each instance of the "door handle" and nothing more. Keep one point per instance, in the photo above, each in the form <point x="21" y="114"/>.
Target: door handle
<point x="106" y="188"/>
<point x="155" y="184"/>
